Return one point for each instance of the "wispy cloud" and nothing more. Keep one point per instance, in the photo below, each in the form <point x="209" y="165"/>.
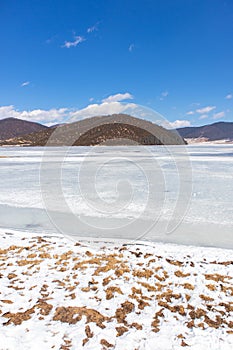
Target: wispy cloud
<point x="206" y="109"/>
<point x="229" y="97"/>
<point x="163" y="95"/>
<point x="38" y="115"/>
<point x="77" y="40"/>
<point x="25" y="83"/>
<point x="131" y="47"/>
<point x="118" y="97"/>
<point x="51" y="39"/>
<point x="190" y="113"/>
<point x="203" y="116"/>
<point x="93" y="28"/>
<point x="179" y="124"/>
<point x="219" y="115"/>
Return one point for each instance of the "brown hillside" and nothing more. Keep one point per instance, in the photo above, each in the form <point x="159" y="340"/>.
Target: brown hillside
<point x="114" y="129"/>
<point x="13" y="127"/>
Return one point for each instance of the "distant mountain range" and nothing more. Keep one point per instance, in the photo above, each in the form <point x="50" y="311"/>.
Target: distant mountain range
<point x="116" y="129"/>
<point x="12" y="127"/>
<point x="113" y="129"/>
<point x="212" y="132"/>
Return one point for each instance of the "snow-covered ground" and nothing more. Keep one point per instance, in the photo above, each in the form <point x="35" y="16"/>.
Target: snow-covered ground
<point x="58" y="294"/>
<point x="201" y="140"/>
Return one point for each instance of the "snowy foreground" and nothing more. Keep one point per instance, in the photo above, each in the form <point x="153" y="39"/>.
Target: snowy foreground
<point x="57" y="294"/>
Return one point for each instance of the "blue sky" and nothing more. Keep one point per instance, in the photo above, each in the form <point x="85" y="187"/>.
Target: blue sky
<point x="60" y="57"/>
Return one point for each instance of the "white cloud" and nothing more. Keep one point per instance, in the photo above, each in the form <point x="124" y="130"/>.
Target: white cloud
<point x="77" y="40"/>
<point x="229" y="96"/>
<point x="93" y="28"/>
<point x="206" y="109"/>
<point x="219" y="115"/>
<point x="105" y="108"/>
<point x="110" y="105"/>
<point x="179" y="124"/>
<point x="203" y="116"/>
<point x="91" y="99"/>
<point x="163" y="95"/>
<point x="118" y="97"/>
<point x="36" y="115"/>
<point x="26" y="83"/>
<point x="131" y="47"/>
<point x="190" y="113"/>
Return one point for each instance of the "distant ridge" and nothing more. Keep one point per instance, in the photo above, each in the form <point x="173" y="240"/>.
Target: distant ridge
<point x="113" y="129"/>
<point x="13" y="127"/>
<point x="212" y="132"/>
<point x="101" y="129"/>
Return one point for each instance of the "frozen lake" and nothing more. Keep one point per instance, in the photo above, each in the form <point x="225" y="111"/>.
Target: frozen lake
<point x="171" y="194"/>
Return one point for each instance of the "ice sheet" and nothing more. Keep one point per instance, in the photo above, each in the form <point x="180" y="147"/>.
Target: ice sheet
<point x="108" y="188"/>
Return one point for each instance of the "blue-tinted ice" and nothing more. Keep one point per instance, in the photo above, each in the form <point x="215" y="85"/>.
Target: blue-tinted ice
<point x="109" y="188"/>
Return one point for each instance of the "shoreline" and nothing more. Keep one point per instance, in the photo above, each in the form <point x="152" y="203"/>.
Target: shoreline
<point x="26" y="219"/>
<point x="98" y="241"/>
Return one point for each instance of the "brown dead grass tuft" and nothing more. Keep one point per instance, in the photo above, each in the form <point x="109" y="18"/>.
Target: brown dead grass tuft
<point x="73" y="314"/>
